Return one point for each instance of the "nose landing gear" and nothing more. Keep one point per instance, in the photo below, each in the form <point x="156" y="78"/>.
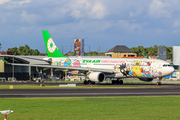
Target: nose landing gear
<point x="159" y="81"/>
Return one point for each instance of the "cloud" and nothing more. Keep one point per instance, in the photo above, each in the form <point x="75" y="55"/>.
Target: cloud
<point x="76" y="14"/>
<point x="160" y="9"/>
<point x="29" y="18"/>
<point x="176" y="23"/>
<point x="98" y="11"/>
<point x="85" y="9"/>
<point x="24" y="29"/>
<point x="24" y="2"/>
<point x="18" y="4"/>
<point x="96" y="18"/>
<point x="130" y="26"/>
<point x="136" y="13"/>
<point x="4" y="1"/>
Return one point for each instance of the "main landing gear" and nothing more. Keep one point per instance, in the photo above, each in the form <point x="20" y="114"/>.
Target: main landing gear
<point x="159" y="81"/>
<point x="117" y="81"/>
<point x="88" y="82"/>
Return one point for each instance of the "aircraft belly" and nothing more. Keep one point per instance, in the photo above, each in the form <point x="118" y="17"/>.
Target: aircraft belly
<point x="115" y="75"/>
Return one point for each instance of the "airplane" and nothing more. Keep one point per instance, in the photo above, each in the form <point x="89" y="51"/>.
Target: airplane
<point x="97" y="69"/>
<point x="5" y="112"/>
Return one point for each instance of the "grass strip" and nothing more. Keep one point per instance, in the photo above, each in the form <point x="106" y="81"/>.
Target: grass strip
<point x="93" y="108"/>
<point x="57" y="87"/>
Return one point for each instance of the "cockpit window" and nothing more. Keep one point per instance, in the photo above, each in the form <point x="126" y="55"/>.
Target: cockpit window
<point x="166" y="65"/>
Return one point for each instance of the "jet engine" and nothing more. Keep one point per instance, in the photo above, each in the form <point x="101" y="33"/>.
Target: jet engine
<point x="97" y="76"/>
<point x="146" y="79"/>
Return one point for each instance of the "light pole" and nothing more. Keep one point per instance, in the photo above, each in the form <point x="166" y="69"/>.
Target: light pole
<point x="0" y="48"/>
<point x="13" y="67"/>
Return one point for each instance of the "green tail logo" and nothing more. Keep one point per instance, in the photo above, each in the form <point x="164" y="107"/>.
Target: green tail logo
<point x="4" y="61"/>
<point x="51" y="48"/>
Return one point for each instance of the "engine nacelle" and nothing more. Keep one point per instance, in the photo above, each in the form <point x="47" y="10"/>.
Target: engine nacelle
<point x="97" y="76"/>
<point x="146" y="79"/>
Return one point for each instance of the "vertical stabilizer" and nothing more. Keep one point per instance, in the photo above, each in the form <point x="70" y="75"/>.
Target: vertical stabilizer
<point x="51" y="48"/>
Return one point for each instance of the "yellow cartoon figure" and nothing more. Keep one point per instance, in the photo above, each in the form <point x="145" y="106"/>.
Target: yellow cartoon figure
<point x="55" y="63"/>
<point x="67" y="60"/>
<point x="118" y="67"/>
<point x="136" y="69"/>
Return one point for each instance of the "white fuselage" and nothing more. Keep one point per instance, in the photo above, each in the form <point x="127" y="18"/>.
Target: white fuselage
<point x="122" y="67"/>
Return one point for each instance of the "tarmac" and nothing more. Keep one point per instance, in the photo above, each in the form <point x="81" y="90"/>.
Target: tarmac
<point x="141" y="90"/>
<point x="6" y="93"/>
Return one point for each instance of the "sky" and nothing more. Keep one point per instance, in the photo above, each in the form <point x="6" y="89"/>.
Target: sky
<point x="104" y="23"/>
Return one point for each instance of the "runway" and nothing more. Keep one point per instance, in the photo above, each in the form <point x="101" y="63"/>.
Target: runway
<point x="99" y="85"/>
<point x="88" y="92"/>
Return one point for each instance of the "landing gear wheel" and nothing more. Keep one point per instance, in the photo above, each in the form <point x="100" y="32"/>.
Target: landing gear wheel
<point x="92" y="83"/>
<point x="117" y="81"/>
<point x="158" y="83"/>
<point x="85" y="82"/>
<point x="113" y="82"/>
<point x="89" y="81"/>
<point x="121" y="82"/>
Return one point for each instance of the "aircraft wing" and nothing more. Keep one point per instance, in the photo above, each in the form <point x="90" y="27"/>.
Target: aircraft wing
<point x="81" y="69"/>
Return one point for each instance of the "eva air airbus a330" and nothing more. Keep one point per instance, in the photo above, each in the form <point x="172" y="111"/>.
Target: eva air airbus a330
<point x="98" y="69"/>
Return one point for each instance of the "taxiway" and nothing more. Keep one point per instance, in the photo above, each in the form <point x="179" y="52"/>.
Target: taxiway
<point x="88" y="92"/>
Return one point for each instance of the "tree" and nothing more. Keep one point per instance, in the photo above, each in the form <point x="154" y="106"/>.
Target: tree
<point x="14" y="49"/>
<point x="24" y="50"/>
<point x="69" y="53"/>
<point x="35" y="52"/>
<point x="151" y="51"/>
<point x="169" y="53"/>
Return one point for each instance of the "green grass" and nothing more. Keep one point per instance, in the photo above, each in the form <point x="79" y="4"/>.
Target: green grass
<point x="93" y="108"/>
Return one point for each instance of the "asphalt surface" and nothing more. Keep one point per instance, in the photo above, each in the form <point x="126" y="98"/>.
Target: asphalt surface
<point x="97" y="84"/>
<point x="141" y="90"/>
<point x="88" y="92"/>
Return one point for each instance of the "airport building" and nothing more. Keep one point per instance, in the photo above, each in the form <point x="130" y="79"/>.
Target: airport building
<point x="22" y="71"/>
<point x="120" y="51"/>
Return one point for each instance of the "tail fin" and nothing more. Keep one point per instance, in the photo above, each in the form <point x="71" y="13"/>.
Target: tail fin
<point x="51" y="48"/>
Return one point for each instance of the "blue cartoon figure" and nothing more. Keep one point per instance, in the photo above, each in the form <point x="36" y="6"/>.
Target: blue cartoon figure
<point x="67" y="62"/>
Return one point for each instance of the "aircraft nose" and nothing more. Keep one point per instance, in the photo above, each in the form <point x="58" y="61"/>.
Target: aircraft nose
<point x="172" y="69"/>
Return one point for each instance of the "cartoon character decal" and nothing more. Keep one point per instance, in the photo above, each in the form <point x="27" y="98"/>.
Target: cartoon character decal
<point x="136" y="69"/>
<point x="115" y="66"/>
<point x="127" y="68"/>
<point x="139" y="69"/>
<point x="76" y="63"/>
<point x="58" y="63"/>
<point x="55" y="63"/>
<point x="67" y="62"/>
<point x="124" y="70"/>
